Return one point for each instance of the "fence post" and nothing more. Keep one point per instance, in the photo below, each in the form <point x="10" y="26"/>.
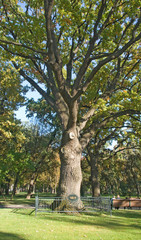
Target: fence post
<point x="110" y="205"/>
<point x="129" y="203"/>
<point x="36" y="205"/>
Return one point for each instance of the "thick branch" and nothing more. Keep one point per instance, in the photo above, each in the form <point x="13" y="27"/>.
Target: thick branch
<point x="86" y="118"/>
<point x="53" y="53"/>
<point x="48" y="5"/>
<point x="88" y="134"/>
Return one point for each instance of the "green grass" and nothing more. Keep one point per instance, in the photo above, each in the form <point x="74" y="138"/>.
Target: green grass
<point x="21" y="198"/>
<point x="20" y="225"/>
<point x="17" y="199"/>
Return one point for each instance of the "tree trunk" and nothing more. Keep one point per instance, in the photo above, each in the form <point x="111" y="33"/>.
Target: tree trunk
<point x="137" y="186"/>
<point x="70" y="173"/>
<point x="15" y="184"/>
<point x="31" y="186"/>
<point x="43" y="190"/>
<point x="94" y="173"/>
<point x="95" y="180"/>
<point x="7" y="186"/>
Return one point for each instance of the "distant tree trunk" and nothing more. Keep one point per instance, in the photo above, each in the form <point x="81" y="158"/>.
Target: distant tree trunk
<point x="7" y="186"/>
<point x="94" y="173"/>
<point x="15" y="184"/>
<point x="51" y="190"/>
<point x="31" y="186"/>
<point x="82" y="190"/>
<point x="137" y="186"/>
<point x="55" y="191"/>
<point x="43" y="190"/>
<point x="1" y="189"/>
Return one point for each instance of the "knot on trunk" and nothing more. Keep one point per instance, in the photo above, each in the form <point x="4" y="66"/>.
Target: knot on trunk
<point x="71" y="135"/>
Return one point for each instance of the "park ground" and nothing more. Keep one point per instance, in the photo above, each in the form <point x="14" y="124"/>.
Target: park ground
<point x="19" y="224"/>
<point x="22" y="224"/>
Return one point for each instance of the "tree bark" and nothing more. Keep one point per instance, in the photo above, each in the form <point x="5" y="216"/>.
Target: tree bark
<point x="70" y="173"/>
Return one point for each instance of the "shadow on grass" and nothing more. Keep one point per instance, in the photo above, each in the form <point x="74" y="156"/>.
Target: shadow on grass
<point x="127" y="214"/>
<point x="104" y="221"/>
<point x="10" y="236"/>
<point x="21" y="198"/>
<point x="18" y="199"/>
<point x="122" y="220"/>
<point x="23" y="211"/>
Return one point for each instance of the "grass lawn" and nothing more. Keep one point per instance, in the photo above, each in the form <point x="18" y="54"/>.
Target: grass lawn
<point x="19" y="225"/>
<point x="20" y="199"/>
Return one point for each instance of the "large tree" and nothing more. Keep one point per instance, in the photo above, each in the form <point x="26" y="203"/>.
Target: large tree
<point x="64" y="47"/>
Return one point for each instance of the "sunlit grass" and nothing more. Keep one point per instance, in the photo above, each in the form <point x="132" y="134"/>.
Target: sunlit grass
<point x="19" y="224"/>
<point x="20" y="199"/>
<point x="17" y="199"/>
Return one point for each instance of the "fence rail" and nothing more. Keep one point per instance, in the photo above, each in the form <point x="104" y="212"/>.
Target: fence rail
<point x="90" y="204"/>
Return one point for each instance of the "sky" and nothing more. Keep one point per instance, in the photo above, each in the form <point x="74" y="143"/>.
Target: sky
<point x="21" y="113"/>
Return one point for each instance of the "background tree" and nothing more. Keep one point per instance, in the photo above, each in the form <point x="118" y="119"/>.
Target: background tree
<point x="114" y="170"/>
<point x="11" y="135"/>
<point x="66" y="47"/>
<point x="38" y="148"/>
<point x="49" y="179"/>
<point x="132" y="170"/>
<point x="123" y="132"/>
<point x="44" y="137"/>
<point x="11" y="97"/>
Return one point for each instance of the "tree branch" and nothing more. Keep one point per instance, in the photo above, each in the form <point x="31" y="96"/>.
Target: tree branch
<point x="114" y="55"/>
<point x="88" y="134"/>
<point x="96" y="33"/>
<point x="86" y="118"/>
<point x="51" y="42"/>
<point x="36" y="86"/>
<point x="24" y="46"/>
<point x="21" y="54"/>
